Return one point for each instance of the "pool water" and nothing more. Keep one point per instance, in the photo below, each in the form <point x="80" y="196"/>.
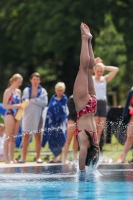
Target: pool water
<point x="61" y="182"/>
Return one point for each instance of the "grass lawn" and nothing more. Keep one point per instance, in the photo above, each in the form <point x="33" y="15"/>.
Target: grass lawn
<point x="32" y="152"/>
<point x="114" y="150"/>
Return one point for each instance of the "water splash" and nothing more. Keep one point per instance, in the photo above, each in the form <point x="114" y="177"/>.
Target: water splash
<point x="115" y="127"/>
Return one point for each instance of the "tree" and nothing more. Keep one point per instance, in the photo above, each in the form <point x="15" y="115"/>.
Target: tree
<point x="44" y="36"/>
<point x="109" y="45"/>
<point x="122" y="17"/>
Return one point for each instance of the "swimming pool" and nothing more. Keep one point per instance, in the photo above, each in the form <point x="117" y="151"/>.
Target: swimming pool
<point x="60" y="182"/>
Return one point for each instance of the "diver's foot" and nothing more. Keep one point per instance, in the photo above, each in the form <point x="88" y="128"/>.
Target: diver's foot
<point x="85" y="31"/>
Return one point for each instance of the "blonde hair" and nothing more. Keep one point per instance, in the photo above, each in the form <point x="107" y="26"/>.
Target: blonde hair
<point x="99" y="65"/>
<point x="60" y="85"/>
<point x="2" y="126"/>
<point x="14" y="78"/>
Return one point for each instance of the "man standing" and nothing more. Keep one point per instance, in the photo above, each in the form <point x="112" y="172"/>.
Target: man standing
<point x="32" y="118"/>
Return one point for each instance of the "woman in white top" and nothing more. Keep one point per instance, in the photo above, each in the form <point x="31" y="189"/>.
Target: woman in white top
<point x="100" y="84"/>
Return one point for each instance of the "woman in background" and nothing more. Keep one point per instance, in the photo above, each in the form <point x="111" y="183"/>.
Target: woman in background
<point x="11" y="102"/>
<point x="100" y="85"/>
<point x="55" y="123"/>
<point x="128" y="121"/>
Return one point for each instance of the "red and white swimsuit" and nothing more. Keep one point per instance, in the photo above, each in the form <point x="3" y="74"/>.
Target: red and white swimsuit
<point x="90" y="107"/>
<point x="131" y="111"/>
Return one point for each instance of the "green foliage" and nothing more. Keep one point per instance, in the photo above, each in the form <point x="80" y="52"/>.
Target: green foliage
<point x="44" y="36"/>
<point x="109" y="45"/>
<point x="122" y="15"/>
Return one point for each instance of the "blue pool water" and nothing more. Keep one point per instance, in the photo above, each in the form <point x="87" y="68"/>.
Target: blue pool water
<point x="59" y="182"/>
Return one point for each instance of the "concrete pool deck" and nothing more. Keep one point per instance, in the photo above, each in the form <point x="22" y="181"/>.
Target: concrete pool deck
<point x="34" y="164"/>
<point x="28" y="164"/>
<point x="33" y="170"/>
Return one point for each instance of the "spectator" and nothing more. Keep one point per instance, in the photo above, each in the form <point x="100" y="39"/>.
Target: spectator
<point x="2" y="140"/>
<point x="11" y="102"/>
<point x="100" y="84"/>
<point x="128" y="120"/>
<point x="71" y="130"/>
<point x="55" y="124"/>
<point x="32" y="117"/>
